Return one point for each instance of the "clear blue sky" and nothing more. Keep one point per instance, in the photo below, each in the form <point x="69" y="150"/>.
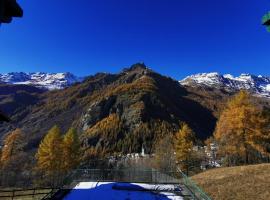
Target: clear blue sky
<point x="173" y="37"/>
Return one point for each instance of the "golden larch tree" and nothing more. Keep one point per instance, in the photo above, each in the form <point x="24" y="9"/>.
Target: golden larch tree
<point x="184" y="143"/>
<point x="49" y="154"/>
<point x="261" y="140"/>
<point x="239" y="130"/>
<point x="12" y="146"/>
<point x="71" y="150"/>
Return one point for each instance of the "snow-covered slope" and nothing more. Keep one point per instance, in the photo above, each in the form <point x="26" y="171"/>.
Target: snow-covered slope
<point x="130" y="191"/>
<point x="259" y="85"/>
<point x="49" y="81"/>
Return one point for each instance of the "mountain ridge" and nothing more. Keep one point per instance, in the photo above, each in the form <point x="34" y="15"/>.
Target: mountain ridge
<point x="258" y="85"/>
<point x="139" y="103"/>
<point x="114" y="112"/>
<point x="50" y="81"/>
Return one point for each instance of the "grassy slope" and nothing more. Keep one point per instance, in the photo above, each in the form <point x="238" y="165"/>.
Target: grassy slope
<point x="244" y="182"/>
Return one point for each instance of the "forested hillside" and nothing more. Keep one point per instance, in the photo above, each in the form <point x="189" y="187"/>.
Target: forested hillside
<point x="116" y="112"/>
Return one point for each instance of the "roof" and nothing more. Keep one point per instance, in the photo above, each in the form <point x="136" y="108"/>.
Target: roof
<point x="9" y="9"/>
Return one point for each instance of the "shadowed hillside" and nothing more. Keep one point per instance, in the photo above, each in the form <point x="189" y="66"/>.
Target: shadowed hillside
<point x="14" y="98"/>
<point x="115" y="112"/>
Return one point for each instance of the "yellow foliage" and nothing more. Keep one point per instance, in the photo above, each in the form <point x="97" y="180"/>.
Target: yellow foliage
<point x="71" y="150"/>
<point x="144" y="84"/>
<point x="138" y="106"/>
<point x="49" y="154"/>
<point x="239" y="130"/>
<point x="108" y="127"/>
<point x="12" y="145"/>
<point x="184" y="142"/>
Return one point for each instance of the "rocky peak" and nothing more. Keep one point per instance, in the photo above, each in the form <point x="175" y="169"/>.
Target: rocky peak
<point x="138" y="67"/>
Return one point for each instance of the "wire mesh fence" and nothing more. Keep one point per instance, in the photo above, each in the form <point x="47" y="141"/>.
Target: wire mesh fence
<point x="133" y="175"/>
<point x="194" y="190"/>
<point x="125" y="175"/>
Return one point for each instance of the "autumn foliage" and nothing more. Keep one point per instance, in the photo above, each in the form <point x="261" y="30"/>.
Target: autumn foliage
<point x="13" y="159"/>
<point x="12" y="146"/>
<point x="49" y="154"/>
<point x="241" y="131"/>
<point x="57" y="155"/>
<point x="71" y="150"/>
<point x="184" y="143"/>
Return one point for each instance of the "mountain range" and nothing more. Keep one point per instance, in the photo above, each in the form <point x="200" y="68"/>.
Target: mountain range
<point x="118" y="112"/>
<point x="258" y="85"/>
<point x="43" y="80"/>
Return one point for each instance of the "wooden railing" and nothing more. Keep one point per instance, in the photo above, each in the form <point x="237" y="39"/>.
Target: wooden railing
<point x="35" y="193"/>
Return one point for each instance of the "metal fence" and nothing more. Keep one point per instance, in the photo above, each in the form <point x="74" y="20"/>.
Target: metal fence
<point x="194" y="190"/>
<point x="131" y="175"/>
<point x="125" y="175"/>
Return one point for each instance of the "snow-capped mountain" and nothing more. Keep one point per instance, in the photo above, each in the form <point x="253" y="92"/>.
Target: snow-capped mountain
<point x="50" y="81"/>
<point x="259" y="85"/>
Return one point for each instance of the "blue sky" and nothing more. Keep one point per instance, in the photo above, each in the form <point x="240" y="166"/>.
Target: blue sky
<point x="173" y="37"/>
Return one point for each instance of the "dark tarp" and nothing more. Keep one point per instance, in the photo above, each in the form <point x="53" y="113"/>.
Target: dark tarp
<point x="9" y="9"/>
<point x="3" y="117"/>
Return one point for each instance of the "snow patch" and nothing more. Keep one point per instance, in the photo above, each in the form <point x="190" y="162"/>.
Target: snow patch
<point x="268" y="87"/>
<point x="259" y="85"/>
<point x="105" y="191"/>
<point x="229" y="76"/>
<point x="49" y="81"/>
